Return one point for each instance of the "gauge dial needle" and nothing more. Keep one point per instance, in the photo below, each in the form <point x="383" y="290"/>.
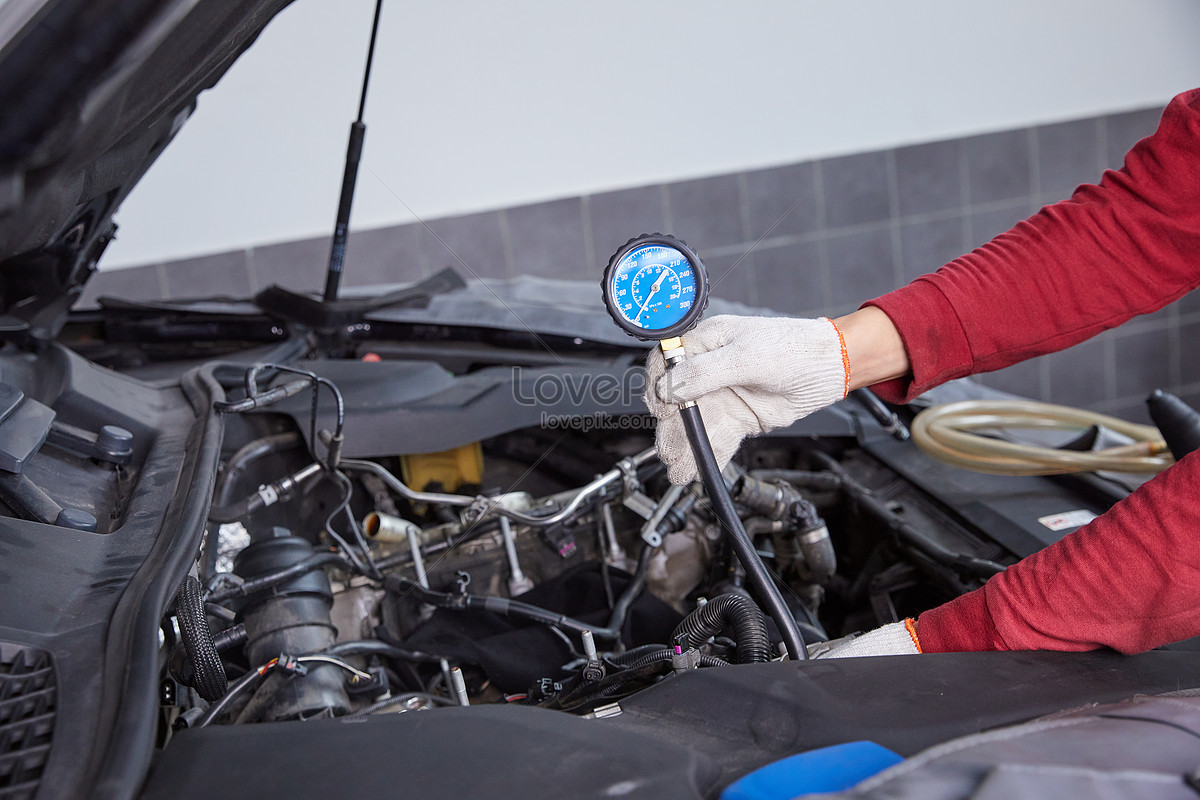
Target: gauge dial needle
<point x="653" y="289"/>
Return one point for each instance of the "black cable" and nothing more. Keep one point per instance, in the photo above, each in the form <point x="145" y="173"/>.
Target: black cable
<point x="261" y="582"/>
<point x="566" y="640"/>
<point x="629" y="656"/>
<point x="317" y="382"/>
<point x="384" y="649"/>
<point x="731" y="523"/>
<point x="496" y="605"/>
<point x="369" y="568"/>
<point x="218" y="708"/>
<point x="1152" y="720"/>
<point x="255" y="399"/>
<point x="661" y="653"/>
<point x="261" y="399"/>
<point x="810" y="625"/>
<point x="736" y="612"/>
<point x="207" y="671"/>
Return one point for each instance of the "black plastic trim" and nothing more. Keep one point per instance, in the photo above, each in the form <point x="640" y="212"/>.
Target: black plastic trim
<point x="132" y="645"/>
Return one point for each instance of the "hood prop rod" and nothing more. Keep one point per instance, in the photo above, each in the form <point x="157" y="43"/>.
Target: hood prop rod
<point x="358" y="131"/>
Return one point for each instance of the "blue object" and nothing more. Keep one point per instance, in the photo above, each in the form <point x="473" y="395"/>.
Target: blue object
<point x="829" y="769"/>
<point x="653" y="286"/>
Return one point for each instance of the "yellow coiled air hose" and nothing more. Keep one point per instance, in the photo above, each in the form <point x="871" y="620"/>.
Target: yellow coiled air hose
<point x="950" y="433"/>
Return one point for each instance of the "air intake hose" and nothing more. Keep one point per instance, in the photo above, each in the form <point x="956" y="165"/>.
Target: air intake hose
<point x="289" y="618"/>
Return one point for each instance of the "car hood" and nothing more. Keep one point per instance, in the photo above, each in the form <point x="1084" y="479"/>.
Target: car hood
<point x="92" y="93"/>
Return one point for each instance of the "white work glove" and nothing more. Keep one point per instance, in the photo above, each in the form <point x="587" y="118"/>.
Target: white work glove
<point x="748" y="375"/>
<point x="896" y="639"/>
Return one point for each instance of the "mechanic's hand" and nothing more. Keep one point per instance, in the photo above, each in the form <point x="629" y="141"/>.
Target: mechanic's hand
<point x="896" y="639"/>
<point x="748" y="375"/>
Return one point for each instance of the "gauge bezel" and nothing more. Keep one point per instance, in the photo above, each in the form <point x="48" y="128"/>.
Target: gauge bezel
<point x="698" y="272"/>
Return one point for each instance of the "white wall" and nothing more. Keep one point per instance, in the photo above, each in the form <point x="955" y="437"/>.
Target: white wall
<point x="477" y="105"/>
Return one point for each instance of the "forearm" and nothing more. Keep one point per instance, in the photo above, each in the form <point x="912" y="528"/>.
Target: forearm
<point x="1114" y="250"/>
<point x="1129" y="580"/>
<point x="873" y="346"/>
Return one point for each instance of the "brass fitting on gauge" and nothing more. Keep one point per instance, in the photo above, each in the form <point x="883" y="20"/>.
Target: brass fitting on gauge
<point x="672" y="350"/>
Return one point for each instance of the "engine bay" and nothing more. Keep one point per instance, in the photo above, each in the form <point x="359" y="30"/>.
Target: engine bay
<point x="557" y="569"/>
<point x="250" y="544"/>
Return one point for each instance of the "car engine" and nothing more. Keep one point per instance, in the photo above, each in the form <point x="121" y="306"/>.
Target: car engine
<point x="539" y="567"/>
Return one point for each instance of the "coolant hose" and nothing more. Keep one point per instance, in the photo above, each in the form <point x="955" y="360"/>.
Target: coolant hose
<point x="731" y="523"/>
<point x="209" y="674"/>
<point x="731" y="611"/>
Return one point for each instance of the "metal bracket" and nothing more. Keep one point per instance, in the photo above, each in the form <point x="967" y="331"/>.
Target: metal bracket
<point x="639" y="504"/>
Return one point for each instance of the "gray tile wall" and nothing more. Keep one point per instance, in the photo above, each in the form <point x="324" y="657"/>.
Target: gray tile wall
<point x="812" y="238"/>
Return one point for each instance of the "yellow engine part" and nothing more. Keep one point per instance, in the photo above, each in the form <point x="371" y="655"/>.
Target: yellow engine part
<point x="450" y="468"/>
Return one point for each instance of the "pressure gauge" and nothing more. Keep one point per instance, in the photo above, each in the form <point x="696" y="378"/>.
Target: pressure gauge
<point x="655" y="287"/>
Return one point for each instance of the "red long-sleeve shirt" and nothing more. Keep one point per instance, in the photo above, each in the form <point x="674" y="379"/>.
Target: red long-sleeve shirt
<point x="1129" y="580"/>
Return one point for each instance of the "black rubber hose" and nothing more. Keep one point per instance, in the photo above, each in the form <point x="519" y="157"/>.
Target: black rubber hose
<point x="230" y="638"/>
<point x="235" y="511"/>
<point x="731" y="523"/>
<point x="616" y="620"/>
<point x="223" y="509"/>
<point x="817" y="481"/>
<point x="261" y="582"/>
<point x="732" y="611"/>
<point x="239" y="462"/>
<point x="209" y="674"/>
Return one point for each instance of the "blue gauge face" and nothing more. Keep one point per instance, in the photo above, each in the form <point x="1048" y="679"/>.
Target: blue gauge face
<point x="653" y="287"/>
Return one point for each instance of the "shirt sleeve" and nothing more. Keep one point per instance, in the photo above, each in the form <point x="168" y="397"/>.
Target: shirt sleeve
<point x="1129" y="580"/>
<point x="1124" y="247"/>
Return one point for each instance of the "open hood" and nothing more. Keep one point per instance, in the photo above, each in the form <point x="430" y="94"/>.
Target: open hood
<point x="92" y="92"/>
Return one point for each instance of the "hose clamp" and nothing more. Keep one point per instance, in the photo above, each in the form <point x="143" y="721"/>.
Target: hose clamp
<point x="815" y="536"/>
